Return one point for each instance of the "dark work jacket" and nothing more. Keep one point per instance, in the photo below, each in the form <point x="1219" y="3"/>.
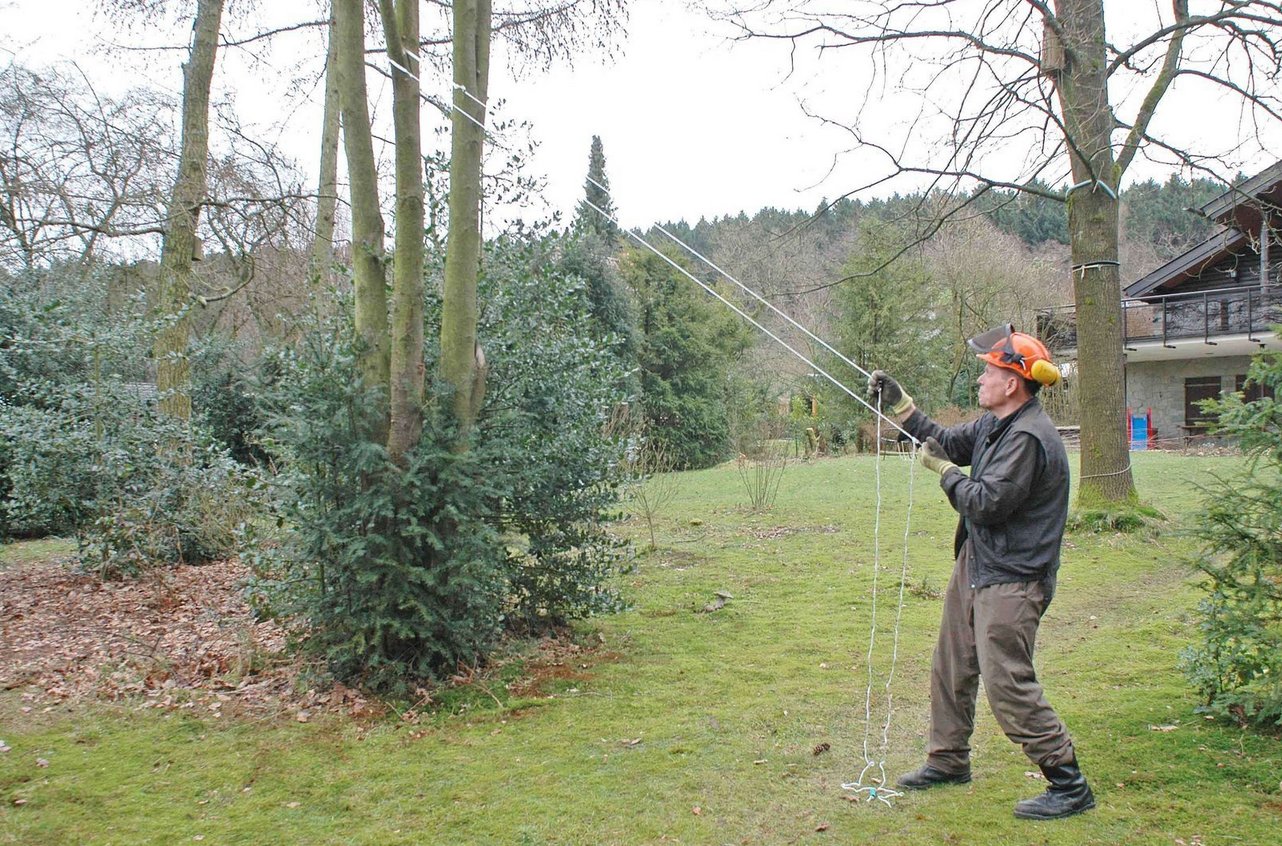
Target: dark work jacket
<point x="1014" y="503"/>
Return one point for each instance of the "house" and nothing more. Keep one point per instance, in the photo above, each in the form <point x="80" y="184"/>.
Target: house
<point x="1191" y="326"/>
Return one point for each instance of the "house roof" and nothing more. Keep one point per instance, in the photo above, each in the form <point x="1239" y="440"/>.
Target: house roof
<point x="1189" y="263"/>
<point x="1263" y="186"/>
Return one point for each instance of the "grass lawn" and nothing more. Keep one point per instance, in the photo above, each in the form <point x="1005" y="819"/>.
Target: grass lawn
<point x="686" y="727"/>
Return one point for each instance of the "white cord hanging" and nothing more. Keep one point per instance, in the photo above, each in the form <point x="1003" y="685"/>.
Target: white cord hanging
<point x="872" y="778"/>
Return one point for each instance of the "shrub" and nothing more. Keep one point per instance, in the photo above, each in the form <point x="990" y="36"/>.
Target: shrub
<point x="406" y="571"/>
<point x="65" y="359"/>
<point x="554" y="384"/>
<point x="1237" y="663"/>
<point x="223" y="389"/>
<point x="686" y="345"/>
<point x="135" y="488"/>
<point x="83" y="450"/>
<point x="395" y="569"/>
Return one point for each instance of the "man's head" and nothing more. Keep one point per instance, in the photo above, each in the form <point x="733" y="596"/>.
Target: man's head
<point x="1017" y="365"/>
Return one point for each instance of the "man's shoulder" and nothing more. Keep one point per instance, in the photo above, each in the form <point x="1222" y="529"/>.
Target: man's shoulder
<point x="1037" y="423"/>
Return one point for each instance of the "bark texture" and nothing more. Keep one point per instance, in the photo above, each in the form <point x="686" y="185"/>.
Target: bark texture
<point x="461" y="358"/>
<point x="367" y="220"/>
<point x="1082" y="87"/>
<point x="401" y="26"/>
<point x="179" y="247"/>
<point x="327" y="189"/>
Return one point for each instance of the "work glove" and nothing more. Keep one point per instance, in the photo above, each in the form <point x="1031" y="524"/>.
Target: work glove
<point x="934" y="457"/>
<point x="893" y="397"/>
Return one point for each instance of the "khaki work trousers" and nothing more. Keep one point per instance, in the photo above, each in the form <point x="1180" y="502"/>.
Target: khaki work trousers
<point x="990" y="633"/>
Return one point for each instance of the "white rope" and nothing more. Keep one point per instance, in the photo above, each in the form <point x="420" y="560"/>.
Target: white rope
<point x="749" y="291"/>
<point x="705" y="286"/>
<point x="485" y="111"/>
<point x="1125" y="469"/>
<point x="875" y="788"/>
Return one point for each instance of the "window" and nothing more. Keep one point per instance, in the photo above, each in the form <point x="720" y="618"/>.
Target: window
<point x="1253" y="392"/>
<point x="1196" y="389"/>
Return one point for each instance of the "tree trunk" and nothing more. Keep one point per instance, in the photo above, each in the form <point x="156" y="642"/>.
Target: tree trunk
<point x="327" y="190"/>
<point x="1093" y="233"/>
<point x="400" y="23"/>
<point x="462" y="364"/>
<point x="367" y="220"/>
<point x="179" y="245"/>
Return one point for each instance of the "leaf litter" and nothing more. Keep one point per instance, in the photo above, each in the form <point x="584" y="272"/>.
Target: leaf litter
<point x="183" y="637"/>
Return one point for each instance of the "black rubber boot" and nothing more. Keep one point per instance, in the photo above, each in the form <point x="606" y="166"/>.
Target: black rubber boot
<point x="928" y="776"/>
<point x="1067" y="794"/>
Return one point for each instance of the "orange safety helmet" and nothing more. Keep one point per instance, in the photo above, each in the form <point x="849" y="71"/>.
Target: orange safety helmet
<point x="1024" y="354"/>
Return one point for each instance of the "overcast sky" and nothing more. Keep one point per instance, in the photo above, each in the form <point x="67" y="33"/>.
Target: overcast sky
<point x="693" y="125"/>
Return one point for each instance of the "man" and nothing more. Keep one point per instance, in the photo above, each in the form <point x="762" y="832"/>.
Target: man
<point x="1013" y="506"/>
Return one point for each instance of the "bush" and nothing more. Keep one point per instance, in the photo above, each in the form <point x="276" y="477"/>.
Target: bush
<point x="64" y="359"/>
<point x="1237" y="664"/>
<point x="554" y="383"/>
<point x="223" y="397"/>
<point x="47" y="458"/>
<point x="84" y="451"/>
<point x="395" y="569"/>
<point x="403" y="572"/>
<point x="135" y="488"/>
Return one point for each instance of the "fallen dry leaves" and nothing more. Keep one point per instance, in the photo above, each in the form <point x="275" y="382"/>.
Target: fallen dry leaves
<point x="182" y="637"/>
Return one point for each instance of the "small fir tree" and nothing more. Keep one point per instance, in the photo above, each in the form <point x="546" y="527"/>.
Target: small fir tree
<point x="1237" y="663"/>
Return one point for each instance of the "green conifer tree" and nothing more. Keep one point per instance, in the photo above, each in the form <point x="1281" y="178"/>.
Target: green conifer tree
<point x="596" y="189"/>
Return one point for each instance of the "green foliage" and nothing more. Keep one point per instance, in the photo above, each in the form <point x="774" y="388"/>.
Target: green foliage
<point x="136" y="488"/>
<point x="554" y="384"/>
<point x="84" y="452"/>
<point x="45" y="456"/>
<point x="596" y="189"/>
<point x="64" y="359"/>
<point x="59" y="327"/>
<point x="888" y="320"/>
<point x="165" y="496"/>
<point x="589" y="257"/>
<point x="687" y="343"/>
<point x="1162" y="214"/>
<point x="1032" y="218"/>
<point x="1237" y="663"/>
<point x="394" y="567"/>
<point x="224" y="382"/>
<point x="405" y="571"/>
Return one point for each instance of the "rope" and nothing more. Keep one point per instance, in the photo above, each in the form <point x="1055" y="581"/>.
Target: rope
<point x="705" y="286"/>
<point x="485" y="111"/>
<point x="748" y="291"/>
<point x="1081" y="269"/>
<point x="1125" y="469"/>
<point x="876" y="788"/>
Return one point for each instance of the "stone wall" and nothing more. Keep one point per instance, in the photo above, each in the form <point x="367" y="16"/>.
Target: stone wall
<point x="1160" y="385"/>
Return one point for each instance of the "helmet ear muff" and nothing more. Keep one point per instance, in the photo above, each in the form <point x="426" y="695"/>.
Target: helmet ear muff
<point x="1044" y="372"/>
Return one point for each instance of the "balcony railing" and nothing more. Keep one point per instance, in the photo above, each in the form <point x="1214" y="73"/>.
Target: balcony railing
<point x="1204" y="315"/>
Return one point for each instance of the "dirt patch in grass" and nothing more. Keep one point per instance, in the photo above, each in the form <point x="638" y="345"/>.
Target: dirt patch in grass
<point x="778" y="532"/>
<point x="179" y="638"/>
<point x="555" y="664"/>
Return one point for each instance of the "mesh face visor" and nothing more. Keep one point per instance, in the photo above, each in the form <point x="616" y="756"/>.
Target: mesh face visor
<point x="992" y="339"/>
